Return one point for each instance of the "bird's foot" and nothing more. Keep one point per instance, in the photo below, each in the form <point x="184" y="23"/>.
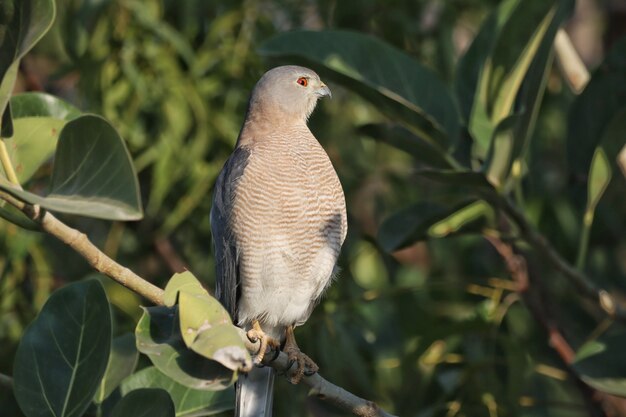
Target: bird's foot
<point x="305" y="365"/>
<point x="257" y="334"/>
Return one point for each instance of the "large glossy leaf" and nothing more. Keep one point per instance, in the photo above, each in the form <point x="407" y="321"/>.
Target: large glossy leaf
<point x="184" y="281"/>
<point x="93" y="174"/>
<point x="593" y="110"/>
<point x="145" y="402"/>
<point x="523" y="27"/>
<point x="206" y="325"/>
<point x="122" y="362"/>
<point x="22" y="24"/>
<point x="188" y="402"/>
<point x="394" y="82"/>
<point x="158" y="336"/>
<point x="38" y="121"/>
<point x="63" y="354"/>
<point x="36" y="104"/>
<point x="601" y="363"/>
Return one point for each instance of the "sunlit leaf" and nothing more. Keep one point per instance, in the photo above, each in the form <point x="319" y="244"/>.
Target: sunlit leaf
<point x="184" y="281"/>
<point x="145" y="402"/>
<point x="93" y="174"/>
<point x="599" y="178"/>
<point x="63" y="354"/>
<point x="122" y="362"/>
<point x="521" y="29"/>
<point x="188" y="402"/>
<point x="472" y="217"/>
<point x="158" y="336"/>
<point x="35" y="104"/>
<point x="394" y="82"/>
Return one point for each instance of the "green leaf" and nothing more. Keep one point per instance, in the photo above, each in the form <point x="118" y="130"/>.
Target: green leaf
<point x="122" y="362"/>
<point x="36" y="104"/>
<point x="499" y="158"/>
<point x="426" y="220"/>
<point x="22" y="24"/>
<point x="93" y="174"/>
<point x="601" y="363"/>
<point x="602" y="101"/>
<point x="188" y="402"/>
<point x="599" y="178"/>
<point x="158" y="336"/>
<point x="473" y="217"/>
<point x="397" y="136"/>
<point x="521" y="29"/>
<point x="63" y="354"/>
<point x="145" y="402"/>
<point x="38" y="120"/>
<point x="206" y="325"/>
<point x="184" y="281"/>
<point x="467" y="74"/>
<point x="394" y="82"/>
<point x="33" y="143"/>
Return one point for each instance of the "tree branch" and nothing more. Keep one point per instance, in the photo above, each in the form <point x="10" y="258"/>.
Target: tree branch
<point x="320" y="387"/>
<point x="518" y="269"/>
<point x="603" y="298"/>
<point x="101" y="262"/>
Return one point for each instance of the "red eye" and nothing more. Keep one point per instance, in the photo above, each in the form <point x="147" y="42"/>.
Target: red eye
<point x="303" y="81"/>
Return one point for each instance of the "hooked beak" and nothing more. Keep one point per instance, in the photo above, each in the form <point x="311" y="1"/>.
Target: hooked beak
<point x="324" y="91"/>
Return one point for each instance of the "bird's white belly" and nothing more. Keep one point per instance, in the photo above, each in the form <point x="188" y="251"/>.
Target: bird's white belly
<point x="282" y="293"/>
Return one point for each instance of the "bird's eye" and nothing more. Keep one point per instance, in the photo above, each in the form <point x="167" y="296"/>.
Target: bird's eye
<point x="303" y="81"/>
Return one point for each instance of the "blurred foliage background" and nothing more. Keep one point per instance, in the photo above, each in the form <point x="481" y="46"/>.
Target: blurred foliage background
<point x="436" y="329"/>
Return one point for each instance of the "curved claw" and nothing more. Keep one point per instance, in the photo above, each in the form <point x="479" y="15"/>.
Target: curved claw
<point x="305" y="365"/>
<point x="256" y="333"/>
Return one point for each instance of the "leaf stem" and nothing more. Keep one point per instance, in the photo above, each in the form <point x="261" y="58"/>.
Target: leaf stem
<point x="583" y="244"/>
<point x="7" y="165"/>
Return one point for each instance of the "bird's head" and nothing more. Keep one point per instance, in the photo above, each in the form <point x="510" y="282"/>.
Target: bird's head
<point x="290" y="90"/>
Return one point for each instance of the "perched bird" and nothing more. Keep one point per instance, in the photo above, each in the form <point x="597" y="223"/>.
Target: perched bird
<point x="278" y="222"/>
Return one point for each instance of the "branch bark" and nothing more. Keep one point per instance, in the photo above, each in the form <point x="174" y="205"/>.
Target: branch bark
<point x="78" y="241"/>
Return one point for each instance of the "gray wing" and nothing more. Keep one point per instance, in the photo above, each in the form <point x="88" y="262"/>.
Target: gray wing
<point x="225" y="242"/>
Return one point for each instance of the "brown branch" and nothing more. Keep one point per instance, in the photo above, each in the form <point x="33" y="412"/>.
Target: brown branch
<point x="101" y="262"/>
<point x="518" y="269"/>
<point x="320" y="387"/>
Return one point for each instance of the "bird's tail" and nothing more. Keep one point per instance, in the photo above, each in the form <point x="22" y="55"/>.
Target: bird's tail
<point x="255" y="392"/>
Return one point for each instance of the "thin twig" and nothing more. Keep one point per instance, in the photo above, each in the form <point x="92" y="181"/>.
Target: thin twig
<point x="94" y="256"/>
